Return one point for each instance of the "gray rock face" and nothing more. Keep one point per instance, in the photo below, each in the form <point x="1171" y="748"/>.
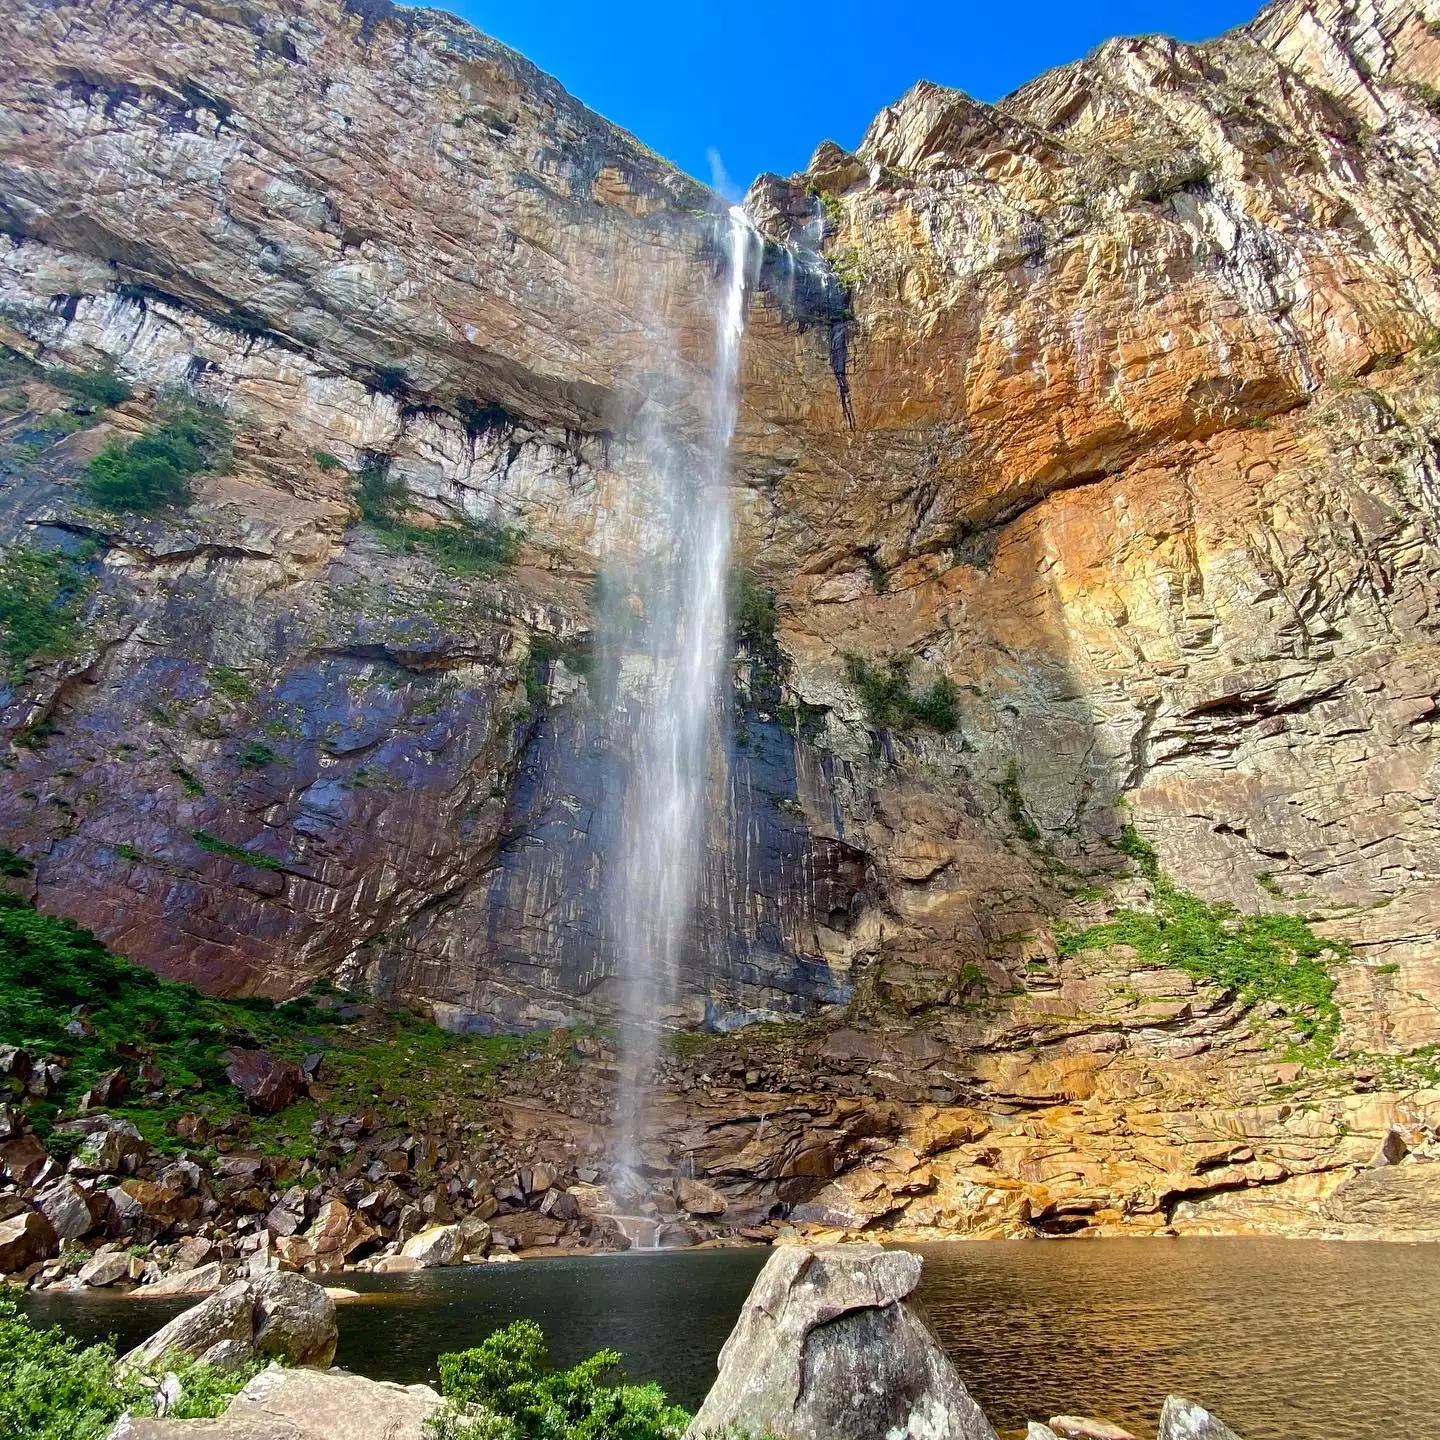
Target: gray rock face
<point x="304" y="1405"/>
<point x="826" y="1349"/>
<point x="1181" y="1420"/>
<point x="284" y="1317"/>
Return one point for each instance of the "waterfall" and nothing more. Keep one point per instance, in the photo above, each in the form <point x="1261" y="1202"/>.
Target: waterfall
<point x="682" y="586"/>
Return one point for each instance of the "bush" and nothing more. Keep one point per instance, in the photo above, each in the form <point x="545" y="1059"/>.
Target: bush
<point x="505" y="1387"/>
<point x="102" y="387"/>
<point x="53" y="1388"/>
<point x="42" y="593"/>
<point x="153" y="472"/>
<point x="891" y="705"/>
<point x="470" y="547"/>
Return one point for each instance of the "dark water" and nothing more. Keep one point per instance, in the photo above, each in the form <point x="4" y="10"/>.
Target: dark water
<point x="1286" y="1340"/>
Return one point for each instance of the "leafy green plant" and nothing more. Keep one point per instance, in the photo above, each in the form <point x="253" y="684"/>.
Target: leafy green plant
<point x="508" y="1378"/>
<point x="42" y="593"/>
<point x="326" y="461"/>
<point x="14" y="866"/>
<point x="468" y="547"/>
<point x="254" y="755"/>
<point x="216" y="846"/>
<point x="889" y="702"/>
<point x="154" y="471"/>
<point x="233" y="684"/>
<point x="53" y="1388"/>
<point x="189" y="782"/>
<point x="101" y="387"/>
<point x="1014" y="799"/>
<point x="1260" y="957"/>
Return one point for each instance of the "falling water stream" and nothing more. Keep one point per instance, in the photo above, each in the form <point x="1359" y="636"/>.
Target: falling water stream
<point x="665" y="804"/>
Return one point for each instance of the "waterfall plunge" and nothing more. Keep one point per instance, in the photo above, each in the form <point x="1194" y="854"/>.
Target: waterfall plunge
<point x="684" y="597"/>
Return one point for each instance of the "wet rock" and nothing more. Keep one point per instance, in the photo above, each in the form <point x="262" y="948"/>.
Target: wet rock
<point x="1082" y="1427"/>
<point x="283" y="1404"/>
<point x="696" y="1198"/>
<point x="826" y="1349"/>
<point x="24" y="1240"/>
<point x="1036" y="1431"/>
<point x="1182" y="1420"/>
<point x="269" y="1084"/>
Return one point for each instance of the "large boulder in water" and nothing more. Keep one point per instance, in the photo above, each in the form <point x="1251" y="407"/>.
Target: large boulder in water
<point x="827" y="1349"/>
<point x="1182" y="1420"/>
<point x="280" y="1316"/>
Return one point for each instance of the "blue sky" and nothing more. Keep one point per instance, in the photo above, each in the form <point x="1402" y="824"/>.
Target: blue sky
<point x="761" y="84"/>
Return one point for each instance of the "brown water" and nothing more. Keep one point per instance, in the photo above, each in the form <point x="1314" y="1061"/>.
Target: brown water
<point x="1286" y="1340"/>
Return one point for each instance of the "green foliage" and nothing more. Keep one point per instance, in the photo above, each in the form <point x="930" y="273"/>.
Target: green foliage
<point x="1260" y="957"/>
<point x="507" y="1378"/>
<point x="101" y="387"/>
<point x="127" y="852"/>
<point x="1014" y="800"/>
<point x="326" y="461"/>
<point x="14" y="866"/>
<point x="879" y="576"/>
<point x="232" y="683"/>
<point x="42" y="593"/>
<point x="889" y="702"/>
<point x="469" y="547"/>
<point x="154" y="471"/>
<point x="216" y="846"/>
<point x="254" y="755"/>
<point x="189" y="782"/>
<point x="53" y="1388"/>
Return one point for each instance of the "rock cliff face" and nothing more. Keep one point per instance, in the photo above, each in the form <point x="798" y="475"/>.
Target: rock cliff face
<point x="1115" y="406"/>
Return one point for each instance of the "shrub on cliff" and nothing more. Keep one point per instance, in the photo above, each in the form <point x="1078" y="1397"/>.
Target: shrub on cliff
<point x="154" y="471"/>
<point x="53" y="1388"/>
<point x="889" y="702"/>
<point x="466" y="547"/>
<point x="505" y="1389"/>
<point x="42" y="593"/>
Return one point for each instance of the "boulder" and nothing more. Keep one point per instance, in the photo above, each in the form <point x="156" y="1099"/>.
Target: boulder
<point x="22" y="1158"/>
<point x="108" y="1268"/>
<point x="111" y="1145"/>
<point x="826" y="1349"/>
<point x="439" y="1245"/>
<point x="284" y="1317"/>
<point x="696" y="1198"/>
<point x="1036" y="1431"/>
<point x="200" y="1280"/>
<point x="1182" y="1420"/>
<point x="268" y="1083"/>
<point x="474" y="1238"/>
<point x="303" y="1405"/>
<point x="1082" y="1427"/>
<point x="26" y="1239"/>
<point x="335" y="1235"/>
<point x="72" y="1212"/>
<point x="294" y="1320"/>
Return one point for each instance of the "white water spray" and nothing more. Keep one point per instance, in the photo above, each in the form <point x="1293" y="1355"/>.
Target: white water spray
<point x="683" y="592"/>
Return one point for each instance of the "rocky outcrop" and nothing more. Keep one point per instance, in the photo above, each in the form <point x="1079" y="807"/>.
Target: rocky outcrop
<point x="826" y="1347"/>
<point x="1182" y="1420"/>
<point x="1125" y="427"/>
<point x="281" y="1404"/>
<point x="282" y="1317"/>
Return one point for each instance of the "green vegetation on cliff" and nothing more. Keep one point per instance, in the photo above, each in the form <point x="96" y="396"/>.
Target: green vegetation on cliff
<point x="505" y="1389"/>
<point x="889" y="702"/>
<point x="468" y="547"/>
<point x="42" y="594"/>
<point x="63" y="994"/>
<point x="53" y="1388"/>
<point x="154" y="471"/>
<point x="1276" y="958"/>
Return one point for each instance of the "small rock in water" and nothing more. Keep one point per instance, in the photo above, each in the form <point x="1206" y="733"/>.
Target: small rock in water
<point x="1036" y="1431"/>
<point x="1182" y="1420"/>
<point x="1082" y="1427"/>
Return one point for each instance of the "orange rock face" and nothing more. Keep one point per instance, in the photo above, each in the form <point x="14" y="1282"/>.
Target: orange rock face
<point x="1087" y="442"/>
